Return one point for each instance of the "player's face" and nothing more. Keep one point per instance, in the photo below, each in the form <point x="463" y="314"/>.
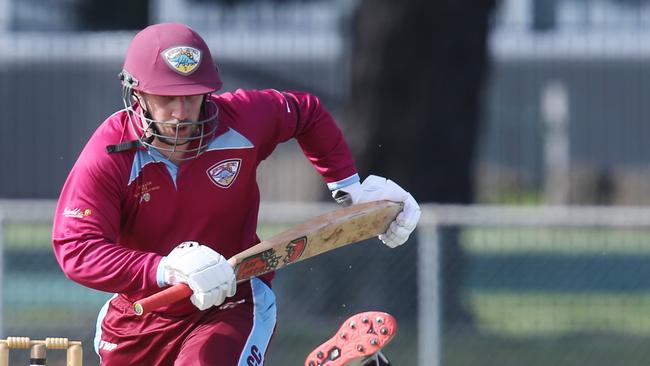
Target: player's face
<point x="172" y="110"/>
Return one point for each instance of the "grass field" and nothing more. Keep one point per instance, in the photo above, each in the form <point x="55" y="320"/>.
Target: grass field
<point x="598" y="315"/>
<point x="470" y="348"/>
<point x="544" y="314"/>
<point x="508" y="241"/>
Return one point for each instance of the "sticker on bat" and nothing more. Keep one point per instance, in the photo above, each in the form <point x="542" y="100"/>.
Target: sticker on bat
<point x="294" y="249"/>
<point x="258" y="264"/>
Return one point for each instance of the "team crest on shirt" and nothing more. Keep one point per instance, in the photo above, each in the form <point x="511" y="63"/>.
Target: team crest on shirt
<point x="183" y="59"/>
<point x="223" y="173"/>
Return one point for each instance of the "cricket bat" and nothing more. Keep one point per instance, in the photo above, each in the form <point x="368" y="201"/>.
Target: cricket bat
<point x="321" y="234"/>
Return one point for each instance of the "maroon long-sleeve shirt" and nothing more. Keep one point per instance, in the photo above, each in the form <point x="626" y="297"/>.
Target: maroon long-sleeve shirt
<point x="119" y="213"/>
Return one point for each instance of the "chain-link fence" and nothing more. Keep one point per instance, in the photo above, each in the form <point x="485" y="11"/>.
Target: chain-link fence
<point x="536" y="286"/>
<point x="546" y="285"/>
<point x="314" y="297"/>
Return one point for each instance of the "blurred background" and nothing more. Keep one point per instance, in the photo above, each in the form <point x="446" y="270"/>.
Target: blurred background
<point x="520" y="125"/>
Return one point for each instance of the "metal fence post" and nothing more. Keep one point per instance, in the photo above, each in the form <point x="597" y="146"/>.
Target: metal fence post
<point x="429" y="341"/>
<point x="2" y="273"/>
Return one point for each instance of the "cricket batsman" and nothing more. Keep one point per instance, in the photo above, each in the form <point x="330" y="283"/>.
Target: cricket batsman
<point x="165" y="190"/>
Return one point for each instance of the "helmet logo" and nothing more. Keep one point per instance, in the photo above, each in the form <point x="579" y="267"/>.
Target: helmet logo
<point x="223" y="173"/>
<point x="182" y="59"/>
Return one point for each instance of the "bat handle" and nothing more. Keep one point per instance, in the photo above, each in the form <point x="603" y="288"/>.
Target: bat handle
<point x="167" y="296"/>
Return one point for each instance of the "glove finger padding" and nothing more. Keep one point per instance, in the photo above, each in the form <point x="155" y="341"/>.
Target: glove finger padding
<point x="205" y="271"/>
<point x="375" y="188"/>
<point x="396" y="235"/>
<point x="207" y="278"/>
<point x="205" y="300"/>
<point x="410" y="215"/>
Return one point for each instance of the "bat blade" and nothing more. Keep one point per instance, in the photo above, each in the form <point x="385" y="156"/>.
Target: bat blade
<point x="321" y="234"/>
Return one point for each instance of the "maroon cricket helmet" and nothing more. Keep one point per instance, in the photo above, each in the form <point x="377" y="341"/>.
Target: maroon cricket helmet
<point x="170" y="59"/>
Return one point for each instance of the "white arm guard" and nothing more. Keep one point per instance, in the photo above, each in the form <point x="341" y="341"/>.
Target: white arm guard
<point x="376" y="188"/>
<point x="205" y="271"/>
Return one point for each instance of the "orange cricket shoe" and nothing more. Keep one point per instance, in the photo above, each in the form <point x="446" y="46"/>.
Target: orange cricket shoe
<point x="358" y="342"/>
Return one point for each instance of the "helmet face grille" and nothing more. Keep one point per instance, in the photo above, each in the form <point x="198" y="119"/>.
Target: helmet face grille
<point x="147" y="130"/>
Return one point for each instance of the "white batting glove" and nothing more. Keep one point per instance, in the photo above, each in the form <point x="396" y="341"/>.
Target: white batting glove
<point x="376" y="188"/>
<point x="205" y="271"/>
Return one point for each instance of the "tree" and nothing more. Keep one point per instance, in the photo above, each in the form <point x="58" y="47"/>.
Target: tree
<point x="113" y="15"/>
<point x="417" y="73"/>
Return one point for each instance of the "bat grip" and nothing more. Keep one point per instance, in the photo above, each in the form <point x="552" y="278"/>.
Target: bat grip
<point x="167" y="296"/>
